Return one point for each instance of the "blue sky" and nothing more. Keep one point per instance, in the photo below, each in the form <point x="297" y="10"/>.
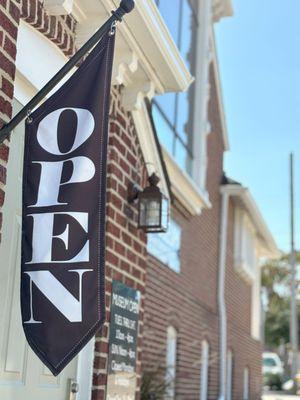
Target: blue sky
<point x="259" y="57"/>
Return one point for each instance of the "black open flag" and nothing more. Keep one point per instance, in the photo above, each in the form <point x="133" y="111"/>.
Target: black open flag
<point x="64" y="193"/>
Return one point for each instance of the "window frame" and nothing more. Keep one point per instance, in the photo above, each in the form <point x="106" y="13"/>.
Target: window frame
<point x="172" y="339"/>
<point x="204" y="377"/>
<point x="187" y="145"/>
<point x="246" y="264"/>
<point x="246" y="383"/>
<point x="229" y="374"/>
<point x="195" y="182"/>
<point x="157" y="236"/>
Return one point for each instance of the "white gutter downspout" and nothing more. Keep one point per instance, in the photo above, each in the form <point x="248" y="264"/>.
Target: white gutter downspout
<point x="221" y="295"/>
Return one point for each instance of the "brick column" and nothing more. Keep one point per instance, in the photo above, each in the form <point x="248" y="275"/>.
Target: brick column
<point x="9" y="22"/>
<point x="125" y="244"/>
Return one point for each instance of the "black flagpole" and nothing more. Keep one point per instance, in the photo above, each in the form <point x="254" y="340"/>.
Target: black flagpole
<point x="126" y="6"/>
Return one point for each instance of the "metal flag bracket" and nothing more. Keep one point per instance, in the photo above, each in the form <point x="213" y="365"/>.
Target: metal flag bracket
<point x="29" y="118"/>
<point x="126" y="6"/>
<point x="112" y="29"/>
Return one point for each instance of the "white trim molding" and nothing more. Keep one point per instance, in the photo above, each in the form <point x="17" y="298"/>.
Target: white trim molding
<point x="266" y="246"/>
<point x="184" y="188"/>
<point x="201" y="125"/>
<point x="58" y="7"/>
<point x="218" y="83"/>
<point x="145" y="50"/>
<point x="221" y="9"/>
<point x="148" y="145"/>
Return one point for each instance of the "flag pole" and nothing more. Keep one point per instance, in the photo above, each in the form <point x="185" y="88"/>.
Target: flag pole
<point x="126" y="6"/>
<point x="293" y="262"/>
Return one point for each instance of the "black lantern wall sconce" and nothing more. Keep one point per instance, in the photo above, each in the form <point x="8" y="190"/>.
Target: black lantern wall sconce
<point x="153" y="206"/>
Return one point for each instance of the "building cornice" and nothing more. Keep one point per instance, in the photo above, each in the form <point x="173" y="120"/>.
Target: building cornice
<point x="146" y="56"/>
<point x="221" y="9"/>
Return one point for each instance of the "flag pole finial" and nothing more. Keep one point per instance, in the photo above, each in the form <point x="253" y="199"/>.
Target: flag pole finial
<point x="126" y="6"/>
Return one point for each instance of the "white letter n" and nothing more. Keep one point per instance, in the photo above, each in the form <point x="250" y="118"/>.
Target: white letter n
<point x="57" y="294"/>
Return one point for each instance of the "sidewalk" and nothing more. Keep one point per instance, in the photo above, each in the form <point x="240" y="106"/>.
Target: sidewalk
<point x="279" y="396"/>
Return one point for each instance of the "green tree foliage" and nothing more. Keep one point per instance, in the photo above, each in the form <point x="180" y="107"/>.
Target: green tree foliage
<point x="275" y="281"/>
<point x="155" y="385"/>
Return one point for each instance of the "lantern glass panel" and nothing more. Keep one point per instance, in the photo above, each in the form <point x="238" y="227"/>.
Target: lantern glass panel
<point x="149" y="212"/>
<point x="153" y="212"/>
<point x="164" y="214"/>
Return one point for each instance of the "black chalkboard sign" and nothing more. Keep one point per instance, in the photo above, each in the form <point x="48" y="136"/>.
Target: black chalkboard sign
<point x="124" y="321"/>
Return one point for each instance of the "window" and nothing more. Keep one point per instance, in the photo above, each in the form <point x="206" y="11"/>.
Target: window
<point x="256" y="307"/>
<point x="229" y="377"/>
<point x="166" y="246"/>
<point x="246" y="384"/>
<point x="173" y="112"/>
<point x="204" y="370"/>
<point x="171" y="361"/>
<point x="245" y="246"/>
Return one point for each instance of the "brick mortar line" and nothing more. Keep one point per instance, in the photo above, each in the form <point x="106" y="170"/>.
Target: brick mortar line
<point x="4" y="117"/>
<point x="4" y="73"/>
<point x="127" y="246"/>
<point x="99" y="371"/>
<point x="126" y="275"/>
<point x="5" y="96"/>
<point x="133" y="155"/>
<point x="115" y="208"/>
<point x="10" y="58"/>
<point x="8" y="14"/>
<point x="124" y="230"/>
<point x="124" y="159"/>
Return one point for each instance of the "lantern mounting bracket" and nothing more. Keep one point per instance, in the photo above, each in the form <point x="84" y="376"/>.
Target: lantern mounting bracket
<point x="134" y="189"/>
<point x="133" y="192"/>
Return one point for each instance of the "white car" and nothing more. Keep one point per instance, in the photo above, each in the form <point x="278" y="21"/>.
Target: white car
<point x="272" y="370"/>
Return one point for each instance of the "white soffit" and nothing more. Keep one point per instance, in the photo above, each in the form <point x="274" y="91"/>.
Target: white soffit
<point x="267" y="244"/>
<point x="146" y="56"/>
<point x="58" y="7"/>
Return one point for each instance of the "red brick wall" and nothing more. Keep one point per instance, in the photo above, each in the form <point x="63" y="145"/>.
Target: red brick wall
<point x="188" y="300"/>
<point x="126" y="245"/>
<point x="246" y="350"/>
<point x="9" y="21"/>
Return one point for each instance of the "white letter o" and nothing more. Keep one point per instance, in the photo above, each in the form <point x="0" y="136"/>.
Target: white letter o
<point x="47" y="130"/>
